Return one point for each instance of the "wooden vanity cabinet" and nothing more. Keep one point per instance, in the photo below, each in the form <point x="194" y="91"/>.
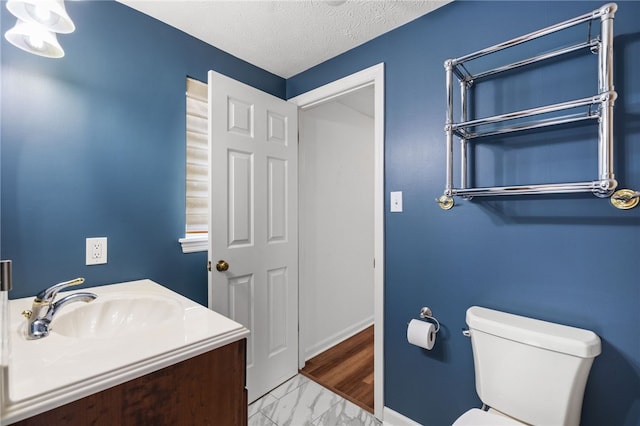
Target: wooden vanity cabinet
<point x="208" y="389"/>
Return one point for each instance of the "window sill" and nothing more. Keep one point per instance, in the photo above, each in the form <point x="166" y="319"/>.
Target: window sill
<point x="194" y="244"/>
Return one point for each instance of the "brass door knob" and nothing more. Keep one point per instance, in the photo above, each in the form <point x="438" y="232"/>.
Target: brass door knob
<point x="222" y="266"/>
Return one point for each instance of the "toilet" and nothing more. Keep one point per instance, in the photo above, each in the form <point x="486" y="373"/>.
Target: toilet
<point x="527" y="371"/>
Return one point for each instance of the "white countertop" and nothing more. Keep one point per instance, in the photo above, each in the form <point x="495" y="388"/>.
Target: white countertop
<point x="58" y="369"/>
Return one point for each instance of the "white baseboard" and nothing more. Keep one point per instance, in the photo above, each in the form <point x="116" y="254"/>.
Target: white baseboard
<point x="331" y="341"/>
<point x="392" y="418"/>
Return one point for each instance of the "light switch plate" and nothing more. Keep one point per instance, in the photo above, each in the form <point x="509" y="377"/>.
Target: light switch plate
<point x="396" y="201"/>
<point x="96" y="251"/>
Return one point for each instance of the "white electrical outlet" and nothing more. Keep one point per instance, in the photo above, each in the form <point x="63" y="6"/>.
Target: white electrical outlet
<point x="396" y="201"/>
<point x="96" y="251"/>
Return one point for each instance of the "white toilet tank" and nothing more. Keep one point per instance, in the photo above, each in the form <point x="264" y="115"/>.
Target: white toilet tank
<point x="534" y="371"/>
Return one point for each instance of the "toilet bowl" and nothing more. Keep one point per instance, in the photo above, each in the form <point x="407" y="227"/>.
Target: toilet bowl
<point x="527" y="371"/>
<point x="478" y="417"/>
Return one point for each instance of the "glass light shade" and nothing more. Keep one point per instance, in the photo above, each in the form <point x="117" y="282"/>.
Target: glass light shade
<point x="35" y="39"/>
<point x="49" y="13"/>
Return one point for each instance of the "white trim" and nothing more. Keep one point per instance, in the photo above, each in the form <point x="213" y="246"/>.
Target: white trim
<point x="194" y="244"/>
<point x="392" y="418"/>
<point x="336" y="338"/>
<point x="372" y="75"/>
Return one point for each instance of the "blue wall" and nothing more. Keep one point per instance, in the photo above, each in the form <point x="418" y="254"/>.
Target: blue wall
<point x="569" y="259"/>
<point x="94" y="145"/>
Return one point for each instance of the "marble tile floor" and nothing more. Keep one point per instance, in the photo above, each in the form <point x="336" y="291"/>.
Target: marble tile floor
<point x="301" y="401"/>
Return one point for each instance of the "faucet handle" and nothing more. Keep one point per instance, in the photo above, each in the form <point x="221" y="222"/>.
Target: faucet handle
<point x="46" y="296"/>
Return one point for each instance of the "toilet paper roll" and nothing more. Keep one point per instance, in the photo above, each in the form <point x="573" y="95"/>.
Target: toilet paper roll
<point x="421" y="333"/>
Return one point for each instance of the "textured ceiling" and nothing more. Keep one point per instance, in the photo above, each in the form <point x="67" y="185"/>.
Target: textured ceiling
<point x="285" y="37"/>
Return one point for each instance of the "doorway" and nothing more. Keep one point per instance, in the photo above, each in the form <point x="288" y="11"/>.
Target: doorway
<point x="336" y="174"/>
<point x="341" y="216"/>
<point x="370" y="77"/>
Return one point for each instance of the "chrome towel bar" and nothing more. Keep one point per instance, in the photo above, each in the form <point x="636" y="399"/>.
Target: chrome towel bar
<point x="598" y="107"/>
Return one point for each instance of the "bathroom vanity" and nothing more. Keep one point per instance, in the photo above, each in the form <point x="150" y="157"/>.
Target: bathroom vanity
<point x="207" y="389"/>
<point x="139" y="354"/>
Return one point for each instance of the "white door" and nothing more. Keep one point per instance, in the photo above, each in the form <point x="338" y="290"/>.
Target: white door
<point x="253" y="244"/>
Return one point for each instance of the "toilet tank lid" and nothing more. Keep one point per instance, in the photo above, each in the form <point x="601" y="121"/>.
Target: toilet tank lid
<point x="547" y="335"/>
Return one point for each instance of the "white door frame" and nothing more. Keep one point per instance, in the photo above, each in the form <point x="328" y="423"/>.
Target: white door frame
<point x="371" y="76"/>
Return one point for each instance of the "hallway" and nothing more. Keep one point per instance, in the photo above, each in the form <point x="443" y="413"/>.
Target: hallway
<point x="347" y="369"/>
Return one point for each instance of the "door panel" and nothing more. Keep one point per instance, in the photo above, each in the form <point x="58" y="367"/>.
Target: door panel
<point x="277" y="283"/>
<point x="240" y="117"/>
<point x="254" y="225"/>
<point x="277" y="199"/>
<point x="240" y="292"/>
<point x="240" y="183"/>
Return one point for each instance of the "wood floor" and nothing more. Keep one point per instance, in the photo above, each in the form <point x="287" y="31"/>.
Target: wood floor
<point x="346" y="369"/>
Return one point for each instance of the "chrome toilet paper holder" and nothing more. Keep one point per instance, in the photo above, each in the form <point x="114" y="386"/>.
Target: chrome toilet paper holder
<point x="426" y="313"/>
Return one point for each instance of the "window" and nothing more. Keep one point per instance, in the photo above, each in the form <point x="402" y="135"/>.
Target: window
<point x="197" y="175"/>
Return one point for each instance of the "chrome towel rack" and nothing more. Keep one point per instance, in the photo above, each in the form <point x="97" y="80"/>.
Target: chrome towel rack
<point x="598" y="107"/>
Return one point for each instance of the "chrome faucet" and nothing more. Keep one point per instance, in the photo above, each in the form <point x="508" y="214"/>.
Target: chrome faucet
<point x="44" y="309"/>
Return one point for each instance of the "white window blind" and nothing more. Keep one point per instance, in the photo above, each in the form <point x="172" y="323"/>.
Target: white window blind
<point x="197" y="176"/>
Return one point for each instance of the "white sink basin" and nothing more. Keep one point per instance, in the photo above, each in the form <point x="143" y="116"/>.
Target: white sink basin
<point x="113" y="317"/>
<point x="130" y="330"/>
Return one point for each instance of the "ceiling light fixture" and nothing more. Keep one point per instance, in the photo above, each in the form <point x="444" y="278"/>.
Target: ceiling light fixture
<point x="34" y="38"/>
<point x="38" y="21"/>
<point x="51" y="14"/>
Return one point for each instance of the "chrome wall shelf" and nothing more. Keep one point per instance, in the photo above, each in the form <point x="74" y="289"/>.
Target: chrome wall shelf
<point x="598" y="108"/>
